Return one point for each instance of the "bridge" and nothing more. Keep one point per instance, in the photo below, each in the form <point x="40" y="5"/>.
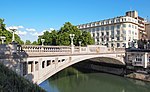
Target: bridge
<point x="37" y="63"/>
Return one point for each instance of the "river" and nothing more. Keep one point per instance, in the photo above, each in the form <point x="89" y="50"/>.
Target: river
<point x="73" y="80"/>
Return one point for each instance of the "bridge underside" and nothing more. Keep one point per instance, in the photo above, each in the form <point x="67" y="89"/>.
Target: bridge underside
<point x="44" y="67"/>
<point x="107" y="60"/>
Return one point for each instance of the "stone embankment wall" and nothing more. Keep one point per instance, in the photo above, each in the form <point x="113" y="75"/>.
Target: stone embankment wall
<point x="102" y="67"/>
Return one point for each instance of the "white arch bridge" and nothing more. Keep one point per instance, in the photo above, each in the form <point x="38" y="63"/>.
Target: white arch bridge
<point x="42" y="62"/>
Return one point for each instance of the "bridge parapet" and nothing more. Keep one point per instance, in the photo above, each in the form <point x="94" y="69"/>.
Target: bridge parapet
<point x="59" y="50"/>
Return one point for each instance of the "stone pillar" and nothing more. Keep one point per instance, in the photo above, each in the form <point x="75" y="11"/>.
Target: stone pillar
<point x="45" y="64"/>
<point x="145" y="60"/>
<point x="72" y="49"/>
<point x="33" y="66"/>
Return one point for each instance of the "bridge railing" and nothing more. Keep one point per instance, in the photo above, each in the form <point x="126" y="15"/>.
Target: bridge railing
<point x="45" y="50"/>
<point x="37" y="48"/>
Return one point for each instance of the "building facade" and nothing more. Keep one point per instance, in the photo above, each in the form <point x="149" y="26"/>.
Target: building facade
<point x="147" y="28"/>
<point x="116" y="32"/>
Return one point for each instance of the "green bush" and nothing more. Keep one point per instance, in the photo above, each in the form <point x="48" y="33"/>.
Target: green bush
<point x="11" y="82"/>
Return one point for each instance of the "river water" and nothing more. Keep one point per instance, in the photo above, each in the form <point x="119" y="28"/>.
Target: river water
<point x="73" y="80"/>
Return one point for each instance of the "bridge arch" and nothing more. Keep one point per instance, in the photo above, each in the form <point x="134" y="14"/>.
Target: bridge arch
<point x="62" y="62"/>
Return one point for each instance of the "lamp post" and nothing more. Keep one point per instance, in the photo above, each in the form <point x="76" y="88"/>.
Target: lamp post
<point x="42" y="40"/>
<point x="113" y="40"/>
<point x="72" y="45"/>
<point x="71" y="37"/>
<point x="2" y="38"/>
<point x="79" y="46"/>
<point x="13" y="29"/>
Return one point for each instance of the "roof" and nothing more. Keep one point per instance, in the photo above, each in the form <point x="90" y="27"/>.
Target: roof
<point x="137" y="50"/>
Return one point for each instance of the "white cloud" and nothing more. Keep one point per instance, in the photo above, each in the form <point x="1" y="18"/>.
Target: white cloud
<point x="20" y="27"/>
<point x="52" y="29"/>
<point x="30" y="29"/>
<point x="14" y="27"/>
<point x="36" y="33"/>
<point x="21" y="32"/>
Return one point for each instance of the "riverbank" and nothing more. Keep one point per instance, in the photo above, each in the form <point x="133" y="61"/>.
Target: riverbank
<point x="115" y="69"/>
<point x="11" y="82"/>
<point x="139" y="76"/>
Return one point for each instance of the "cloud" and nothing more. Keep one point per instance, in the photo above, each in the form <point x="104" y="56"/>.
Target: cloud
<point x="37" y="33"/>
<point x="21" y="32"/>
<point x="14" y="27"/>
<point x="30" y="29"/>
<point x="51" y="29"/>
<point x="20" y="27"/>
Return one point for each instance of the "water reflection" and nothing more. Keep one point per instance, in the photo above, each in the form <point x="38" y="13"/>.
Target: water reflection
<point x="72" y="80"/>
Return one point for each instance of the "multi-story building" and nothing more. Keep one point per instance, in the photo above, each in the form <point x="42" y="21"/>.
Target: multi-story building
<point x="117" y="31"/>
<point x="147" y="28"/>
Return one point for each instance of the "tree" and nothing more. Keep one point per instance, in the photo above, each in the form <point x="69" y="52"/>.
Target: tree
<point x="28" y="42"/>
<point x="61" y="37"/>
<point x="34" y="43"/>
<point x="8" y="34"/>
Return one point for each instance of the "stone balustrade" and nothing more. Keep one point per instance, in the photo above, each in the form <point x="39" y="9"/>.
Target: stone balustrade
<point x="38" y="48"/>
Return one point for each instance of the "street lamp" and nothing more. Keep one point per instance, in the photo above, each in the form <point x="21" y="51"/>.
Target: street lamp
<point x="79" y="46"/>
<point x="42" y="40"/>
<point x="79" y="43"/>
<point x="13" y="29"/>
<point x="2" y="38"/>
<point x="72" y="37"/>
<point x="72" y="46"/>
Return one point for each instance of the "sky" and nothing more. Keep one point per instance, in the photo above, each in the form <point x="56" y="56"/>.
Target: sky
<point x="33" y="17"/>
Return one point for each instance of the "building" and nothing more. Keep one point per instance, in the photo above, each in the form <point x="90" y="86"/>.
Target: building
<point x="118" y="31"/>
<point x="137" y="58"/>
<point x="147" y="28"/>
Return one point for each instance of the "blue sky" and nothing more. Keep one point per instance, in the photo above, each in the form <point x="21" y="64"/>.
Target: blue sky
<point x="33" y="16"/>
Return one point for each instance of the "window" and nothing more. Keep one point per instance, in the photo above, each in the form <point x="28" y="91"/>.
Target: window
<point x="124" y="32"/>
<point x="93" y="34"/>
<point x="102" y="39"/>
<point x="107" y="39"/>
<point x="102" y="33"/>
<point x="129" y="25"/>
<point x="124" y="25"/>
<point x="118" y="44"/>
<point x="132" y="26"/>
<point x="118" y="26"/>
<point x="123" y="44"/>
<point x="107" y="33"/>
<point x="93" y="29"/>
<point x="107" y="28"/>
<point x="138" y="59"/>
<point x="97" y="28"/>
<point x="112" y="27"/>
<point x="118" y="32"/>
<point x="97" y="34"/>
<point x="102" y="28"/>
<point x="124" y="38"/>
<point x="118" y="38"/>
<point x="112" y="21"/>
<point x="112" y="45"/>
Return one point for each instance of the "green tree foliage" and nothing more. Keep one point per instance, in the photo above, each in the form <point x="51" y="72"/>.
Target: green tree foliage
<point x="34" y="43"/>
<point x="28" y="42"/>
<point x="61" y="37"/>
<point x="12" y="82"/>
<point x="8" y="34"/>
